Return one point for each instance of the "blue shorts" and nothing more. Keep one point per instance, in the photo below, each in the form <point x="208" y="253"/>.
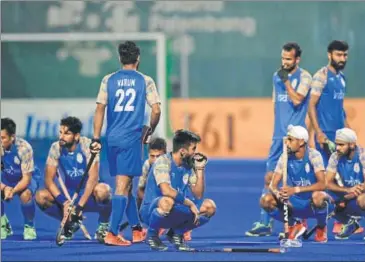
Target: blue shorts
<point x="276" y="150"/>
<point x="146" y="210"/>
<point x="303" y="208"/>
<point x="33" y="185"/>
<point x="125" y="161"/>
<point x="331" y="136"/>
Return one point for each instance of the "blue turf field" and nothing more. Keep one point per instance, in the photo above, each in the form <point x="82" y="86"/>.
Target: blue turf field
<point x="234" y="185"/>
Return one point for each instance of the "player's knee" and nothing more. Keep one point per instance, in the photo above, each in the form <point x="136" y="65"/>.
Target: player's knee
<point x="208" y="207"/>
<point x="361" y="201"/>
<point x="165" y="205"/>
<point x="268" y="178"/>
<point x="122" y="185"/>
<point x="268" y="202"/>
<point x="319" y="198"/>
<point x="42" y="198"/>
<point x="102" y="192"/>
<point x="26" y="196"/>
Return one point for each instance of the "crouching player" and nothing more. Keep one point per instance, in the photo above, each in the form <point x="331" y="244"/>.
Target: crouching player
<point x="71" y="155"/>
<point x="165" y="204"/>
<point x="306" y="182"/>
<point x="349" y="163"/>
<point x="18" y="177"/>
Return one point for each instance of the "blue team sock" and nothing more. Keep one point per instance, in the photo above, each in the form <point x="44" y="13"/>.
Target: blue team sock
<point x="190" y="225"/>
<point x="2" y="208"/>
<point x="264" y="216"/>
<point x="278" y="214"/>
<point x="104" y="212"/>
<point x="54" y="211"/>
<point x="156" y="222"/>
<point x="118" y="207"/>
<point x="132" y="211"/>
<point x="28" y="211"/>
<point x="321" y="215"/>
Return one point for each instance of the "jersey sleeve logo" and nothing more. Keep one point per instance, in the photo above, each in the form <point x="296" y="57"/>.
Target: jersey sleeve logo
<point x="343" y="82"/>
<point x="307" y="168"/>
<point x="186" y="178"/>
<point x="16" y="160"/>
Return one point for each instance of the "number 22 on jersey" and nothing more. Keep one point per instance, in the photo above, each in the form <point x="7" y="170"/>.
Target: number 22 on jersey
<point x="129" y="95"/>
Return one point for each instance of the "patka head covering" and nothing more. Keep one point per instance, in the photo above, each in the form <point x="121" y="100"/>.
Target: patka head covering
<point x="346" y="135"/>
<point x="298" y="132"/>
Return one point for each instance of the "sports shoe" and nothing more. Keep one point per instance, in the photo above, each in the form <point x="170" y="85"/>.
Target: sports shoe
<point x="139" y="234"/>
<point x="113" y="240"/>
<point x="321" y="235"/>
<point x="348" y="229"/>
<point x="259" y="230"/>
<point x="155" y="243"/>
<point x="297" y="230"/>
<point x="29" y="233"/>
<point x="101" y="232"/>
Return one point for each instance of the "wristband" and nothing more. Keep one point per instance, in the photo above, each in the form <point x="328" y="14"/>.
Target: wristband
<point x="180" y="198"/>
<point x="60" y="199"/>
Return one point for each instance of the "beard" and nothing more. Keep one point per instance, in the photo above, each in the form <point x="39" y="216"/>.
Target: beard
<point x="338" y="66"/>
<point x="65" y="144"/>
<point x="289" y="68"/>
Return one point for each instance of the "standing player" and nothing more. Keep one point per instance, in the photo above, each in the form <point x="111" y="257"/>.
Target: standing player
<point x="125" y="93"/>
<point x="349" y="162"/>
<point x="70" y="156"/>
<point x="165" y="204"/>
<point x="291" y="86"/>
<point x="305" y="190"/>
<point x="326" y="109"/>
<point x="18" y="177"/>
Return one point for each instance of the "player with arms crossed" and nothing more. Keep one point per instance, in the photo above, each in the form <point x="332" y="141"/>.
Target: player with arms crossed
<point x="291" y="86"/>
<point x="165" y="204"/>
<point x="306" y="182"/>
<point x="18" y="177"/>
<point x="70" y="156"/>
<point x="349" y="163"/>
<point x="124" y="94"/>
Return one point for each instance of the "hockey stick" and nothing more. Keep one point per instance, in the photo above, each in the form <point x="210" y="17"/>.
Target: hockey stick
<point x="238" y="250"/>
<point x="65" y="191"/>
<point x="60" y="239"/>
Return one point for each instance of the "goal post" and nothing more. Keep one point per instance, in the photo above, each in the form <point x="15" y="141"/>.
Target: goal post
<point x="161" y="54"/>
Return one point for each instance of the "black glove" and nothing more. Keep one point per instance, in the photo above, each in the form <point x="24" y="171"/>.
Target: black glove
<point x="283" y="74"/>
<point x="95" y="146"/>
<point x="146" y="134"/>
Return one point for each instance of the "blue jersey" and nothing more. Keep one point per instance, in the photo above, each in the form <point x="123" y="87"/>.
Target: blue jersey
<point x="164" y="170"/>
<point x="18" y="160"/>
<point x="351" y="171"/>
<point x="125" y="93"/>
<point x="301" y="172"/>
<point x="71" y="164"/>
<point x="286" y="113"/>
<point x="331" y="89"/>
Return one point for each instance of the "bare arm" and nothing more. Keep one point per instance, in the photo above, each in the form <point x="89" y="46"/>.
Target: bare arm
<point x="198" y="188"/>
<point x="332" y="185"/>
<point x="312" y="111"/>
<point x="23" y="183"/>
<point x="295" y="97"/>
<point x="27" y="167"/>
<point x="155" y="116"/>
<point x="320" y="185"/>
<point x="98" y="120"/>
<point x="168" y="191"/>
<point x="49" y="180"/>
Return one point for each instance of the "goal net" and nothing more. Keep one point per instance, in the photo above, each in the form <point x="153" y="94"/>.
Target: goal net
<point x="48" y="76"/>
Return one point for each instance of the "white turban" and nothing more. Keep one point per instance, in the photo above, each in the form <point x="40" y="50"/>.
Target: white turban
<point x="346" y="135"/>
<point x="298" y="132"/>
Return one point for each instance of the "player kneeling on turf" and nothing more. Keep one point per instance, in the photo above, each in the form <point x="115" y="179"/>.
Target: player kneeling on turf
<point x="306" y="178"/>
<point x="349" y="163"/>
<point x="18" y="177"/>
<point x="71" y="155"/>
<point x="165" y="204"/>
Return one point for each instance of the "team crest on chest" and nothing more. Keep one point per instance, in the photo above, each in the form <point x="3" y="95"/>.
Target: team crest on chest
<point x="356" y="168"/>
<point x="186" y="178"/>
<point x="307" y="168"/>
<point x="16" y="160"/>
<point x="79" y="158"/>
<point x="294" y="83"/>
<point x="343" y="82"/>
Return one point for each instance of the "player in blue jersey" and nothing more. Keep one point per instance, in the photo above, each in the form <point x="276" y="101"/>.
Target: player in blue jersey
<point x="328" y="89"/>
<point x="156" y="148"/>
<point x="305" y="190"/>
<point x="346" y="180"/>
<point x="326" y="109"/>
<point x="165" y="204"/>
<point x="18" y="177"/>
<point x="69" y="156"/>
<point x="291" y="86"/>
<point x="124" y="94"/>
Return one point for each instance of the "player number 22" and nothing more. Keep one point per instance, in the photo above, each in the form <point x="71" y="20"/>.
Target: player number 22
<point x="131" y="96"/>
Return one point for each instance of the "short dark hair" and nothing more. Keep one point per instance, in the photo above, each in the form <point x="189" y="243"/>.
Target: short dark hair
<point x="337" y="45"/>
<point x="183" y="139"/>
<point x="9" y="125"/>
<point x="128" y="53"/>
<point x="292" y="45"/>
<point x="73" y="124"/>
<point x="158" y="144"/>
